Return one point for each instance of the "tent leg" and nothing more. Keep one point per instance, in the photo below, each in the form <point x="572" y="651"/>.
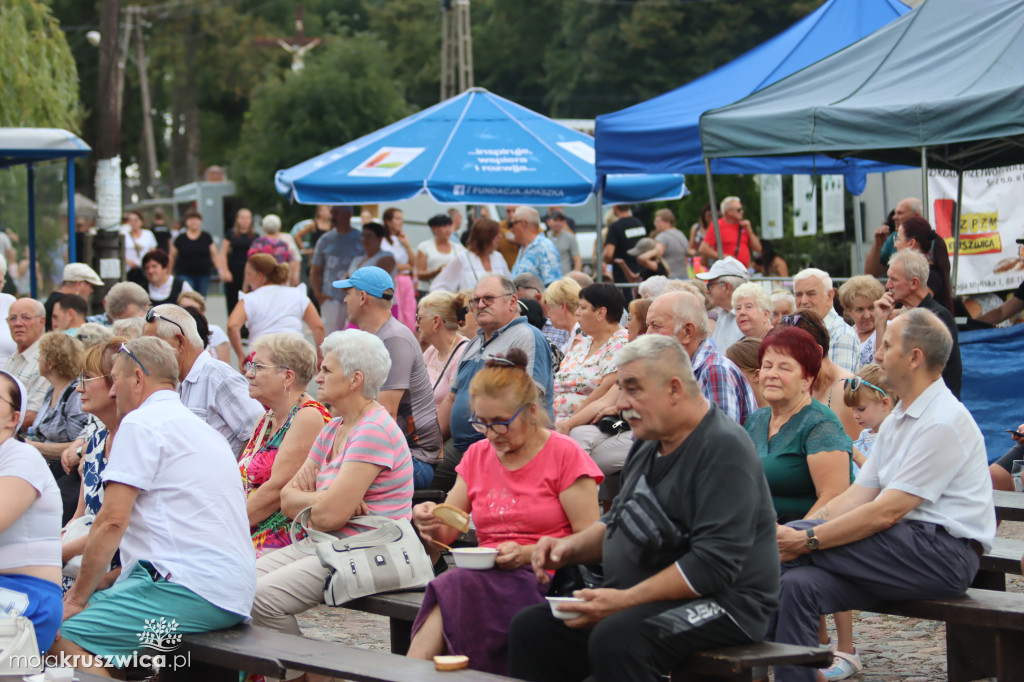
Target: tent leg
<point x="924" y="184"/>
<point x="957" y="212"/>
<point x="72" y="251"/>
<point x="599" y="225"/>
<point x="32" y="230"/>
<point x="714" y="206"/>
<point x="858" y="231"/>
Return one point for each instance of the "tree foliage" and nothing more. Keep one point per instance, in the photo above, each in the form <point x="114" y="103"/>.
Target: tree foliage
<point x="38" y="78"/>
<point x="345" y="91"/>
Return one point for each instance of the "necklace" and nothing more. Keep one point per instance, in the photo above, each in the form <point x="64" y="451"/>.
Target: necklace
<point x="451" y="347"/>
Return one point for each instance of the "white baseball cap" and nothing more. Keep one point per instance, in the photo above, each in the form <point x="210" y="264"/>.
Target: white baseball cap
<point x="80" y="272"/>
<point x="725" y="266"/>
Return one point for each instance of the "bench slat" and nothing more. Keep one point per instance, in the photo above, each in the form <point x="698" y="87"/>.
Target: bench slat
<point x="986" y="608"/>
<point x="736" y="659"/>
<point x="1009" y="505"/>
<point x="259" y="650"/>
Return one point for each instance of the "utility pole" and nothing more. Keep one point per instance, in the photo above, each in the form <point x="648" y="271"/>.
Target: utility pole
<point x="147" y="107"/>
<point x="456" y="48"/>
<point x="108" y="135"/>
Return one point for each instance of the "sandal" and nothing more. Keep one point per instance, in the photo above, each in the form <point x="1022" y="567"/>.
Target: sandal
<point x="844" y="665"/>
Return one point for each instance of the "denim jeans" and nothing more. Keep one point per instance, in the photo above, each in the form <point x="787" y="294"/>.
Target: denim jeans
<point x="422" y="474"/>
<point x="200" y="284"/>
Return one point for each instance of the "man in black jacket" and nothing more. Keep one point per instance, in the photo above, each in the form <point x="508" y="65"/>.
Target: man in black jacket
<point x="689" y="549"/>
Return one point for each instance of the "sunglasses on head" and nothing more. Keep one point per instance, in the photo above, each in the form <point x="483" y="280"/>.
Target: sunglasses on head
<point x="853" y="383"/>
<point x="153" y="316"/>
<point x="124" y="349"/>
<point x="791" y="320"/>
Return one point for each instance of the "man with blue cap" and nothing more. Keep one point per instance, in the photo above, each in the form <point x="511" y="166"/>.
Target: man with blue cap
<point x="407" y="393"/>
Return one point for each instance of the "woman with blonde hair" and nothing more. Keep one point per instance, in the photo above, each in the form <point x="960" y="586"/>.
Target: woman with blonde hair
<point x="279" y="368"/>
<point x="546" y="486"/>
<point x="561" y="302"/>
<point x="857" y="295"/>
<point x="271" y="305"/>
<point x="440" y="317"/>
<point x="753" y="310"/>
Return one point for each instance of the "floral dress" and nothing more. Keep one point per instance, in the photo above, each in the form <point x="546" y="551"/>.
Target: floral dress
<point x="94" y="461"/>
<point x="256" y="464"/>
<point x="578" y="376"/>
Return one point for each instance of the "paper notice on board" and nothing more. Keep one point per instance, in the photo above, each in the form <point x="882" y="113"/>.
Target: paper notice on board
<point x="833" y="215"/>
<point x="805" y="206"/>
<point x="771" y="206"/>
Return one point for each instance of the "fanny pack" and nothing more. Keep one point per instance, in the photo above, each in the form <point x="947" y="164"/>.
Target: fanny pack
<point x="646" y="525"/>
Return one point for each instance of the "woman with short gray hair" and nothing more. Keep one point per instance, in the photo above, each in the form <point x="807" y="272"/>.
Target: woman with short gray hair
<point x="360" y="464"/>
<point x="278" y="370"/>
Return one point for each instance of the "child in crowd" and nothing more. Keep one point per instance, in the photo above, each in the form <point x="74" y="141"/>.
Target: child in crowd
<point x="871" y="400"/>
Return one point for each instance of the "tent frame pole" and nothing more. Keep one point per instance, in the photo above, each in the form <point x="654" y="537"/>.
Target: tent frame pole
<point x="858" y="229"/>
<point x="714" y="206"/>
<point x="33" y="284"/>
<point x="72" y="253"/>
<point x="599" y="225"/>
<point x="957" y="212"/>
<point x="924" y="184"/>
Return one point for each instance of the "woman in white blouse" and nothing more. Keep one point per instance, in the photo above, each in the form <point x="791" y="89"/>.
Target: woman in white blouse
<point x="271" y="306"/>
<point x="481" y="258"/>
<point x="434" y="254"/>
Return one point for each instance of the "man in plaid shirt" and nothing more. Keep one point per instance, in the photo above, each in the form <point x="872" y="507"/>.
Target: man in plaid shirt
<point x="682" y="315"/>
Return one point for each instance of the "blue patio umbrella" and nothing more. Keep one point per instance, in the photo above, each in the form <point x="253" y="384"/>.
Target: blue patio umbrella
<point x="474" y="148"/>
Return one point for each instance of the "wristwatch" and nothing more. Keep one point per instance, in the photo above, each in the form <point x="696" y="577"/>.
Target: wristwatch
<point x="812" y="542"/>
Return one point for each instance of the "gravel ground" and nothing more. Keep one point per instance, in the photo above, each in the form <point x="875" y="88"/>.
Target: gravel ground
<point x="893" y="649"/>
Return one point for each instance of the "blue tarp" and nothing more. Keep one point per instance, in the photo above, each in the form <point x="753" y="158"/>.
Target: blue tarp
<point x="661" y="135"/>
<point x="476" y="147"/>
<point x="993" y="361"/>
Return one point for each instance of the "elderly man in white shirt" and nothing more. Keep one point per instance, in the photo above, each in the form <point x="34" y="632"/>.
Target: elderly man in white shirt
<point x="813" y="291"/>
<point x="722" y="279"/>
<point x="922" y="502"/>
<point x="26" y="319"/>
<point x="175" y="508"/>
<point x="213" y="390"/>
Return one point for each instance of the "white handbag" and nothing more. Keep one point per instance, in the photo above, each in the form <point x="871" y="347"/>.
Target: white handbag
<point x="75" y="529"/>
<point x="389" y="558"/>
<point x="19" y="650"/>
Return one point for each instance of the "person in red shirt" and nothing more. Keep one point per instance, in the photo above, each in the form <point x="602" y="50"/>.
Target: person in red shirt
<point x="738" y="238"/>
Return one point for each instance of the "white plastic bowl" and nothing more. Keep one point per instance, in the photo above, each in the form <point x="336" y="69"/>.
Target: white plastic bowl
<point x="553" y="602"/>
<point x="475" y="558"/>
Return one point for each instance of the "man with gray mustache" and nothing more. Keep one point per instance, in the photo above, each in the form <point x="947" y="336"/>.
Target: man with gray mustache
<point x="689" y="550"/>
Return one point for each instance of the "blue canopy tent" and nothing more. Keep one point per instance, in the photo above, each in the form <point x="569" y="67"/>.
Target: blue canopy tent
<point x="32" y="145"/>
<point x="476" y="147"/>
<point x="661" y="135"/>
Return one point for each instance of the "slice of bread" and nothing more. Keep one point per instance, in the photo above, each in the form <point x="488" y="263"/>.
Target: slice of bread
<point x="452" y="516"/>
<point x="450" y="662"/>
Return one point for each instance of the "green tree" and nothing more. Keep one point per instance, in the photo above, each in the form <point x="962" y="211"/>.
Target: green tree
<point x="345" y="91"/>
<point x="38" y="79"/>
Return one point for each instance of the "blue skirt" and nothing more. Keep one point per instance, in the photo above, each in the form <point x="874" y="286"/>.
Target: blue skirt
<point x="45" y="605"/>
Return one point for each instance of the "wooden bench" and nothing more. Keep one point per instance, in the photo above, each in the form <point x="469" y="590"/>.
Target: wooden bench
<point x="1002" y="560"/>
<point x="730" y="663"/>
<point x="984" y="631"/>
<point x="218" y="656"/>
<point x="1009" y="505"/>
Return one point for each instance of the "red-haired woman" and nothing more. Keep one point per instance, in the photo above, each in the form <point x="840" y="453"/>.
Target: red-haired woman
<point x="804" y="449"/>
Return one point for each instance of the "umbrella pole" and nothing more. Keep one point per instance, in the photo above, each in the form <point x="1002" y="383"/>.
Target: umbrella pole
<point x="714" y="206"/>
<point x="73" y="256"/>
<point x="957" y="212"/>
<point x="599" y="225"/>
<point x="924" y="183"/>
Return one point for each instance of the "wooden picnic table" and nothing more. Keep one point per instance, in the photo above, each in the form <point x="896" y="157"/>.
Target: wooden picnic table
<point x="1009" y="505"/>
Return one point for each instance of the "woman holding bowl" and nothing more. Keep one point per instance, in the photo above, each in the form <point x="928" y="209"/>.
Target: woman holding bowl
<point x="520" y="483"/>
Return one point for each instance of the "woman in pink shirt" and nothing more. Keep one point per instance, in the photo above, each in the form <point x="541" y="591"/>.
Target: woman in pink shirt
<point x="360" y="464"/>
<point x="520" y="483"/>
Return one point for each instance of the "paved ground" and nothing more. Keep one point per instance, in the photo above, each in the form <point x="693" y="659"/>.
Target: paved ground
<point x="893" y="649"/>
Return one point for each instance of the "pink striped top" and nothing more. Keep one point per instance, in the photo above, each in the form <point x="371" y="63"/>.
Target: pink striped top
<point x="376" y="439"/>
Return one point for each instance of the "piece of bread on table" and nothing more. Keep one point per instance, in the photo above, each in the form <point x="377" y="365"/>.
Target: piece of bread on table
<point x="450" y="662"/>
<point x="452" y="516"/>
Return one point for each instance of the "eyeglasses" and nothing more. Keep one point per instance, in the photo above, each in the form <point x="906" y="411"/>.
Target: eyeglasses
<point x="124" y="349"/>
<point x="253" y="366"/>
<point x="791" y="320"/>
<point x="853" y="383"/>
<point x="488" y="301"/>
<point x="499" y="428"/>
<point x="153" y="316"/>
<point x="83" y="380"/>
<point x="21" y="318"/>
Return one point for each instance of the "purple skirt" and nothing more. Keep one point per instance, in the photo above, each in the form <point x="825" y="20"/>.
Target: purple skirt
<point x="476" y="610"/>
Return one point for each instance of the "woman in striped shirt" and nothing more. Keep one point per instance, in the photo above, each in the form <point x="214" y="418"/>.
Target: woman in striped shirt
<point x="360" y="464"/>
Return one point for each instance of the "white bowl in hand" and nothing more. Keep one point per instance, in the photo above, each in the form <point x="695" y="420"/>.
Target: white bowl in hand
<point x="475" y="558"/>
<point x="564" y="615"/>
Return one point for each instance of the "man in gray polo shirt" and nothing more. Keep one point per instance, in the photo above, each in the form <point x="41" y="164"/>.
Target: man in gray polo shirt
<point x="407" y="393"/>
<point x="496" y="308"/>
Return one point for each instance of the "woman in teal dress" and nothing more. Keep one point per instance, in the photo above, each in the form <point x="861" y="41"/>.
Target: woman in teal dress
<point x="805" y="451"/>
